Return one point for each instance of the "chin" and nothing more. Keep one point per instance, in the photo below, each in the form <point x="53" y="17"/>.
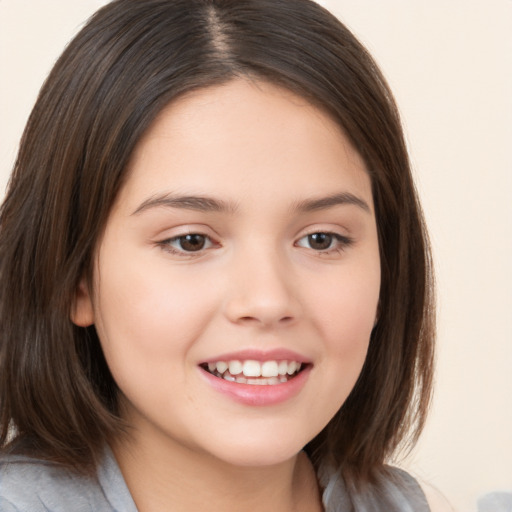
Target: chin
<point x="259" y="459"/>
<point x="259" y="453"/>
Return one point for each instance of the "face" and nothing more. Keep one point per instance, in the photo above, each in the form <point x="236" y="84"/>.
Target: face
<point x="236" y="284"/>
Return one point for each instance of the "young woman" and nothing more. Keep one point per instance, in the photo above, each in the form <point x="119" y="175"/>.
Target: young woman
<point x="216" y="288"/>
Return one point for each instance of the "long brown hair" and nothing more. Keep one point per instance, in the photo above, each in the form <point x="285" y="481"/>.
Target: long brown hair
<point x="57" y="397"/>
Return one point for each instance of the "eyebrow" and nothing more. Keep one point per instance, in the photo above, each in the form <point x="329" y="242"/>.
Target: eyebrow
<point x="323" y="203"/>
<point x="209" y="204"/>
<point x="197" y="203"/>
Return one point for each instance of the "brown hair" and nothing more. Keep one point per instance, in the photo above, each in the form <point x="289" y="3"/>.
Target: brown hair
<point x="57" y="397"/>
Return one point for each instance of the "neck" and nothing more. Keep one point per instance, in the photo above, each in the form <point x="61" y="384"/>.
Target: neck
<point x="179" y="476"/>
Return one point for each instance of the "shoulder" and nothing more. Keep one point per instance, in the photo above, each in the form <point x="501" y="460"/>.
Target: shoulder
<point x="389" y="488"/>
<point x="402" y="490"/>
<point x="32" y="485"/>
<point x="437" y="502"/>
<point x="431" y="496"/>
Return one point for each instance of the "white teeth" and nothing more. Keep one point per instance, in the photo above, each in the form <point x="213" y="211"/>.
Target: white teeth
<point x="252" y="369"/>
<point x="264" y="382"/>
<point x="269" y="369"/>
<point x="235" y="367"/>
<point x="255" y="372"/>
<point x="292" y="367"/>
<point x="282" y="367"/>
<point x="222" y="366"/>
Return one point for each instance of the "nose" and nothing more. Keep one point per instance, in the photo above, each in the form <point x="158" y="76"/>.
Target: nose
<point x="262" y="290"/>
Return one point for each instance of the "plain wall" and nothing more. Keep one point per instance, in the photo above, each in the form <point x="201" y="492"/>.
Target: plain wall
<point x="450" y="65"/>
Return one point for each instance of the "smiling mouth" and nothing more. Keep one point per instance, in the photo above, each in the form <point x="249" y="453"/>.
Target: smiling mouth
<point x="267" y="373"/>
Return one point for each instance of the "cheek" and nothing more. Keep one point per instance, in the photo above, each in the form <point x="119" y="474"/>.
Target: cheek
<point x="345" y="316"/>
<point x="145" y="313"/>
<point x="346" y="312"/>
<point x="147" y="327"/>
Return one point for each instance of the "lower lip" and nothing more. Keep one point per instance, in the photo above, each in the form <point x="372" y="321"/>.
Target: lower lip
<point x="250" y="394"/>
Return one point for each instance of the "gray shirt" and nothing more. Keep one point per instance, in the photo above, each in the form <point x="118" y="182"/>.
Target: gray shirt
<point x="31" y="485"/>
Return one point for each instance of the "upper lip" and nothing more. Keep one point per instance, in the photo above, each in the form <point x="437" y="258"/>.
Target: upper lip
<point x="279" y="354"/>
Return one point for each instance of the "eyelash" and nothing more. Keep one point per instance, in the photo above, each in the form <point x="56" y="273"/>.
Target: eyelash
<point x="341" y="243"/>
<point x="167" y="244"/>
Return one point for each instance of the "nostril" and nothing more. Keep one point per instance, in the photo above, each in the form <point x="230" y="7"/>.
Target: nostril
<point x="283" y="320"/>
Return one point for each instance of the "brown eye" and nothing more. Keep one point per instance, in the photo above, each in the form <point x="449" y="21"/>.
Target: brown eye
<point x="320" y="241"/>
<point x="188" y="245"/>
<point x="192" y="242"/>
<point x="325" y="242"/>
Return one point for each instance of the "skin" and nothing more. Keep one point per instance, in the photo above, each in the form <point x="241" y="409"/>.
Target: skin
<point x="259" y="283"/>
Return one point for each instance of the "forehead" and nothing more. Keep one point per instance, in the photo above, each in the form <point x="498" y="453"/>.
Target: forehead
<point x="244" y="137"/>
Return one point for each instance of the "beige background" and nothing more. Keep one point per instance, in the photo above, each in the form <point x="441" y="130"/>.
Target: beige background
<point x="450" y="65"/>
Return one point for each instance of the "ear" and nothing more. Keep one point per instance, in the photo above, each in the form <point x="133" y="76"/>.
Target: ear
<point x="82" y="312"/>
